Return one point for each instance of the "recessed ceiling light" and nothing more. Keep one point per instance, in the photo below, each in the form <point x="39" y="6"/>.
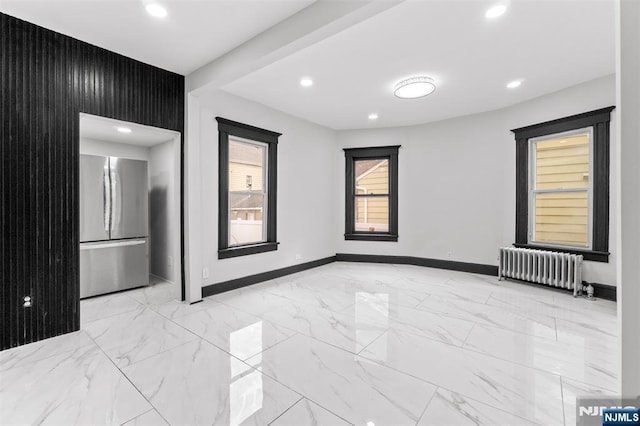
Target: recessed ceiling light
<point x="414" y="87"/>
<point x="495" y="11"/>
<point x="373" y="116"/>
<point x="513" y="84"/>
<point x="156" y="9"/>
<point x="306" y="82"/>
<point x="123" y="129"/>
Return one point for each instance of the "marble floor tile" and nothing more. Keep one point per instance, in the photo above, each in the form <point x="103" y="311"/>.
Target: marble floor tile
<point x="199" y="384"/>
<point x="155" y="294"/>
<point x="17" y="357"/>
<point x="490" y="315"/>
<point x="382" y="272"/>
<point x="450" y="290"/>
<point x="238" y="333"/>
<point x="449" y="408"/>
<point x="150" y="418"/>
<point x="307" y="413"/>
<point x="596" y="313"/>
<point x="526" y="290"/>
<point x="79" y="387"/>
<point x="106" y="306"/>
<point x="345" y="343"/>
<point x="378" y="310"/>
<point x="175" y="309"/>
<point x="420" y="277"/>
<point x="524" y="392"/>
<point x="571" y="390"/>
<point x="588" y="335"/>
<point x="562" y="301"/>
<point x="325" y="298"/>
<point x="130" y="337"/>
<point x="250" y="301"/>
<point x="395" y="295"/>
<point x="352" y="387"/>
<point x="577" y="362"/>
<point x="344" y="331"/>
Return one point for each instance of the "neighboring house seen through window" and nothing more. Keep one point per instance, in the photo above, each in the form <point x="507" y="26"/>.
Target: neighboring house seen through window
<point x="562" y="185"/>
<point x="372" y="194"/>
<point x="247" y="189"/>
<point x="560" y="189"/>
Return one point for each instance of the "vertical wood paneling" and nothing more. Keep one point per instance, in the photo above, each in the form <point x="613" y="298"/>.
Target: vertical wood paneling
<point x="47" y="80"/>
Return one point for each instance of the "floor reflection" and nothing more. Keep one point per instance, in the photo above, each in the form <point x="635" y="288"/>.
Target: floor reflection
<point x="246" y="387"/>
<point x="372" y="313"/>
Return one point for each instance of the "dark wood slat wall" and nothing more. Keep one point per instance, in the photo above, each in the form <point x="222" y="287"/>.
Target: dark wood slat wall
<point x="47" y="80"/>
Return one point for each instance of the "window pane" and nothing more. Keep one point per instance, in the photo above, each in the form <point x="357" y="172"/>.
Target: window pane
<point x="563" y="162"/>
<point x="372" y="176"/>
<point x="372" y="214"/>
<point x="246" y="166"/>
<point x="247" y="190"/>
<point x="562" y="218"/>
<point x="246" y="214"/>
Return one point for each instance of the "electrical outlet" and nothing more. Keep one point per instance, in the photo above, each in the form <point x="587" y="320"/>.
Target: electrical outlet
<point x="449" y="255"/>
<point x="27" y="301"/>
<point x="205" y="272"/>
<point x="298" y="256"/>
<point x="170" y="261"/>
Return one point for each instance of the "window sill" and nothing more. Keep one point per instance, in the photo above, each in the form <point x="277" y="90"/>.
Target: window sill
<point x="595" y="256"/>
<point x="370" y="237"/>
<point x="246" y="250"/>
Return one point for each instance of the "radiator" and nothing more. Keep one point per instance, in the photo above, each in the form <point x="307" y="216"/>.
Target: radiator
<point x="563" y="270"/>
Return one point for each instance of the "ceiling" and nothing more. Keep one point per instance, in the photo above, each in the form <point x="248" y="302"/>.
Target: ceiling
<point x="550" y="44"/>
<point x="194" y="33"/>
<point x="105" y="129"/>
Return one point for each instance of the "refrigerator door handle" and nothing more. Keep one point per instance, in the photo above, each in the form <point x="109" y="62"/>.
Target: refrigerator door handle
<point x="106" y="195"/>
<point x="114" y="204"/>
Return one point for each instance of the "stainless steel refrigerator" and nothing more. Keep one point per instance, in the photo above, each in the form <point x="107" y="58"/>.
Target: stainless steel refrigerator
<point x="114" y="230"/>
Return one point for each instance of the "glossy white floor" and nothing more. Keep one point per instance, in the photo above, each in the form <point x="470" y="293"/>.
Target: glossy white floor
<point x="345" y="343"/>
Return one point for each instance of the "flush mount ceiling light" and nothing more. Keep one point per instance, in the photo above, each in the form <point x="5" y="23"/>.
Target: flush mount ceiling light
<point x="156" y="9"/>
<point x="495" y="11"/>
<point x="414" y="87"/>
<point x="306" y="82"/>
<point x="373" y="116"/>
<point x="498" y="9"/>
<point x="123" y="129"/>
<point x="513" y="84"/>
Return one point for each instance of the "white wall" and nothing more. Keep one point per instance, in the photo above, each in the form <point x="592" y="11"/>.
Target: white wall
<point x="628" y="97"/>
<point x="164" y="201"/>
<point x="114" y="149"/>
<point x="306" y="210"/>
<point x="457" y="180"/>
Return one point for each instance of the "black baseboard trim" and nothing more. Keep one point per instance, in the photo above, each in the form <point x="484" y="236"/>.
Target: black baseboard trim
<point x="224" y="286"/>
<point x="475" y="268"/>
<point x="603" y="291"/>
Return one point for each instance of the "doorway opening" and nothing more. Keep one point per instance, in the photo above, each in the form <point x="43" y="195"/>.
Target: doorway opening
<point x="152" y="216"/>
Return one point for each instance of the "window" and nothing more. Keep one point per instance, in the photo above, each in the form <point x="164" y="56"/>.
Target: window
<point x="561" y="189"/>
<point x="247" y="189"/>
<point x="562" y="185"/>
<point x="371" y="194"/>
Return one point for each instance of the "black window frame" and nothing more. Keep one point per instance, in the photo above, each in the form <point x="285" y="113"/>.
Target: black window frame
<point x="599" y="120"/>
<point x="228" y="128"/>
<point x="371" y="153"/>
